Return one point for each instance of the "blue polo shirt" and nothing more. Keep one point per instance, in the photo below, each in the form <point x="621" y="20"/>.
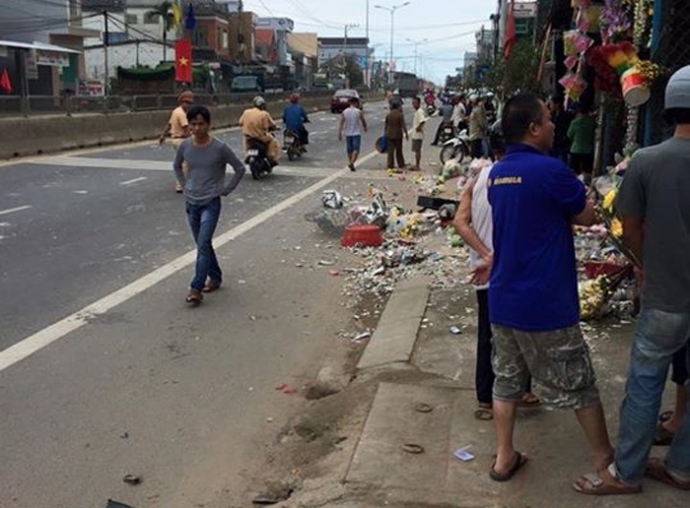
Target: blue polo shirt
<point x="294" y="117"/>
<point x="533" y="284"/>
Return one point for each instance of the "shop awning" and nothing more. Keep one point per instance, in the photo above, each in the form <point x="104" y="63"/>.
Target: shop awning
<point x="38" y="46"/>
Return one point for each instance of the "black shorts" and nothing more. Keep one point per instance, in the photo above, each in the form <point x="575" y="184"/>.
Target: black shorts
<point x="679" y="374"/>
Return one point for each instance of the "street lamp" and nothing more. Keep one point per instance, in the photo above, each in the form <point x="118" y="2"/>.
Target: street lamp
<point x="392" y="11"/>
<point x="416" y="45"/>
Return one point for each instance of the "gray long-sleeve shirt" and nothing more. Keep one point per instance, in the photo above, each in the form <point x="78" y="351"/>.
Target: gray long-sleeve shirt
<point x="206" y="170"/>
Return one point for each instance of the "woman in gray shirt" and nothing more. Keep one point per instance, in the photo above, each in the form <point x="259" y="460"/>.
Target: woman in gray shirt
<point x="207" y="159"/>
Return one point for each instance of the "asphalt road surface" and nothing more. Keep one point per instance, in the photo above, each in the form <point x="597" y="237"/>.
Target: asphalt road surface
<point x="103" y="369"/>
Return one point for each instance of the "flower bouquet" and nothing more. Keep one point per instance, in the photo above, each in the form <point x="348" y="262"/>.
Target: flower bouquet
<point x="596" y="293"/>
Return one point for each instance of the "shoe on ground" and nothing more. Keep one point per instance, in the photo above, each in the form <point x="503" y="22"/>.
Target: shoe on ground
<point x="194" y="297"/>
<point x="351" y="166"/>
<point x="178" y="188"/>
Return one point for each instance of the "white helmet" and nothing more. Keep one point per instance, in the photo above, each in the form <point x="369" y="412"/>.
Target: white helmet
<point x="678" y="90"/>
<point x="259" y="101"/>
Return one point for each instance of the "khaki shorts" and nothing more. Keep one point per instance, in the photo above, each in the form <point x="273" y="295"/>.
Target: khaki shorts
<point x="558" y="360"/>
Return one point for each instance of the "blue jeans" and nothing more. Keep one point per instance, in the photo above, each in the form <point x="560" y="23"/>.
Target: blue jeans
<point x="203" y="220"/>
<point x="658" y="336"/>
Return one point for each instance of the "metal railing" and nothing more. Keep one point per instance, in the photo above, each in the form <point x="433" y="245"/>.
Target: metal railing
<point x="37" y="105"/>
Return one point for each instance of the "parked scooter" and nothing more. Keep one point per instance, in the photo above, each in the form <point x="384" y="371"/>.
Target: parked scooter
<point x="292" y="144"/>
<point x="456" y="148"/>
<point x="447" y="132"/>
<point x="257" y="159"/>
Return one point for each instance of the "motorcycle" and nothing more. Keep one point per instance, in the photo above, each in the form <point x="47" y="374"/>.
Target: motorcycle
<point x="447" y="132"/>
<point x="292" y="144"/>
<point x="456" y="148"/>
<point x="430" y="109"/>
<point x="257" y="159"/>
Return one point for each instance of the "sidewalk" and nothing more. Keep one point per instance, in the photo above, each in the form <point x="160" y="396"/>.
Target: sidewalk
<point x="436" y="414"/>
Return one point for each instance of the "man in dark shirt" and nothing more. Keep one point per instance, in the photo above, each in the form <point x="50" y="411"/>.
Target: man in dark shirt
<point x="395" y="129"/>
<point x="561" y="120"/>
<point x="533" y="299"/>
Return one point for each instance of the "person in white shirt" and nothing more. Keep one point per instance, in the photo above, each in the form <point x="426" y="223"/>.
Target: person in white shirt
<point x="459" y="113"/>
<point x="350" y="122"/>
<point x="418" y="122"/>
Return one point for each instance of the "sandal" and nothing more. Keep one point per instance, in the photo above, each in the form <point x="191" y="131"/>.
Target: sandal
<point x="663" y="436"/>
<point x="603" y="483"/>
<point x="520" y="460"/>
<point x="194" y="297"/>
<point x="529" y="401"/>
<point x="665" y="416"/>
<point x="211" y="286"/>
<point x="484" y="412"/>
<point x="657" y="471"/>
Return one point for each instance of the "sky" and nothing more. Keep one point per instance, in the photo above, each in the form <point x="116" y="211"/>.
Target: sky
<point x="447" y="25"/>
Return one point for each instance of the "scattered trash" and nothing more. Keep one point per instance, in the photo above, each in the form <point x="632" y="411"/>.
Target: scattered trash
<point x="455" y="330"/>
<point x="131" y="479"/>
<point x="412" y="448"/>
<point x="116" y="504"/>
<point x="334" y="273"/>
<point x="326" y="262"/>
<point x="423" y="407"/>
<point x="463" y="455"/>
<point x="361" y="336"/>
<point x="332" y="199"/>
<point x="124" y="435"/>
<point x="281" y="386"/>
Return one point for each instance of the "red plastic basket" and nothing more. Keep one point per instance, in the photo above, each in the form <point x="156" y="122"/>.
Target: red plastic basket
<point x="365" y="235"/>
<point x="594" y="269"/>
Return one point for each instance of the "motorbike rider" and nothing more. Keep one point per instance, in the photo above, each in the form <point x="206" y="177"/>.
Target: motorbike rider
<point x="294" y="118"/>
<point x="257" y="124"/>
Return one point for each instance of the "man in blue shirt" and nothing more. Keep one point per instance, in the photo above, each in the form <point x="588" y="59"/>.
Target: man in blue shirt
<point x="533" y="299"/>
<point x="294" y="118"/>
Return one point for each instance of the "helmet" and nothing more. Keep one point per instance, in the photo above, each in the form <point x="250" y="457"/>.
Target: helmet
<point x="678" y="90"/>
<point x="259" y="101"/>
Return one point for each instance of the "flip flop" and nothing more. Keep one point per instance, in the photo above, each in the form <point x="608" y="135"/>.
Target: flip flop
<point x="593" y="485"/>
<point x="665" y="416"/>
<point x="520" y="460"/>
<point x="663" y="436"/>
<point x="529" y="403"/>
<point x="657" y="471"/>
<point x="484" y="412"/>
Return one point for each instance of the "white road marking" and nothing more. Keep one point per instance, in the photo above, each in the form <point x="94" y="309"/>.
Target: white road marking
<point x="17" y="209"/>
<point x="62" y="328"/>
<point x="133" y="180"/>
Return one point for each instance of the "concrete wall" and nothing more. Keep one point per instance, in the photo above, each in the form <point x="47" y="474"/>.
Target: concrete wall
<point x="49" y="134"/>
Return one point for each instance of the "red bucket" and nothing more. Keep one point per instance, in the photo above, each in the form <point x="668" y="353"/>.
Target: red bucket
<point x="362" y="234"/>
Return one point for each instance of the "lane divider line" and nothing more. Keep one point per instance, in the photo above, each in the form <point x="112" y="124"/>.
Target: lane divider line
<point x="17" y="209"/>
<point x="43" y="338"/>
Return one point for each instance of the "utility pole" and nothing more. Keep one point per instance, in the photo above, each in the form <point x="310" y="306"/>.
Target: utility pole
<point x="367" y="77"/>
<point x="106" y="36"/>
<point x="392" y="12"/>
<point x="416" y="45"/>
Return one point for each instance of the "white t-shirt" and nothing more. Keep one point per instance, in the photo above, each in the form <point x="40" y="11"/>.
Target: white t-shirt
<point x="419" y="119"/>
<point x="352" y="124"/>
<point x="481" y="215"/>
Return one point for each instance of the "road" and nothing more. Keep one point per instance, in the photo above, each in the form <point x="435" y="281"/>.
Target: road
<point x="103" y="369"/>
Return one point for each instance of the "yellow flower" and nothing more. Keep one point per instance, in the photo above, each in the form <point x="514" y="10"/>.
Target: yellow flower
<point x="608" y="201"/>
<point x="616" y="228"/>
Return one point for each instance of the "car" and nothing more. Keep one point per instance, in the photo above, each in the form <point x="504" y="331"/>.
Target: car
<point x="341" y="99"/>
<point x="245" y="84"/>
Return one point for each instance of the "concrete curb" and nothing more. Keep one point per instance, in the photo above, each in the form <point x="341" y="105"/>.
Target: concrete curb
<point x="396" y="334"/>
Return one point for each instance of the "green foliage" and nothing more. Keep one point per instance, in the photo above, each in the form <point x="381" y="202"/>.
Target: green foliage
<point x="518" y="73"/>
<point x="164" y="10"/>
<point x="345" y="65"/>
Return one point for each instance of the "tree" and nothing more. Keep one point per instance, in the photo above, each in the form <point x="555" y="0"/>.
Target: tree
<point x="164" y="10"/>
<point x="344" y="65"/>
<point x="518" y="73"/>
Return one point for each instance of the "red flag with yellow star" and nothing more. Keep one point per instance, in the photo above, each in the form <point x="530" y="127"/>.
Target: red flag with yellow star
<point x="183" y="61"/>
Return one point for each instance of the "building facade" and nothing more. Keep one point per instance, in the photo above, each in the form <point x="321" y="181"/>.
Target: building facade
<point x="57" y="66"/>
